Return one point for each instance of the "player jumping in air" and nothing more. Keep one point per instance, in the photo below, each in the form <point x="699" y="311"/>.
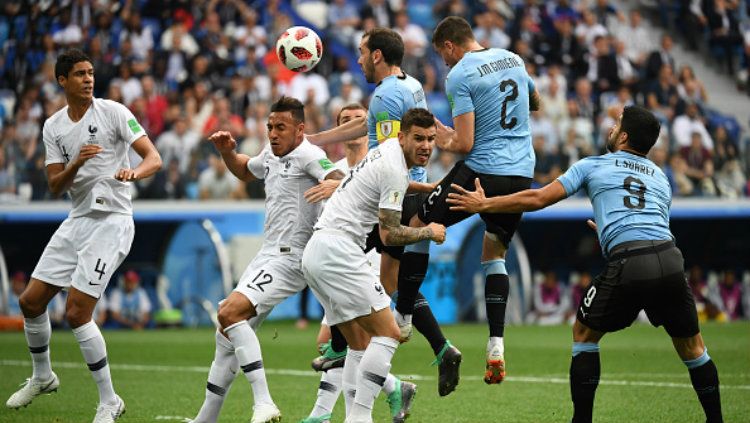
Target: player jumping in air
<point x="644" y="271"/>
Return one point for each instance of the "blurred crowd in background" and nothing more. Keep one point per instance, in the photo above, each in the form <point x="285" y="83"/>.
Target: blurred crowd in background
<point x="187" y="68"/>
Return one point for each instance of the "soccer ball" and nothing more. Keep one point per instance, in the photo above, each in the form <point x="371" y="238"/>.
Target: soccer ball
<point x="299" y="48"/>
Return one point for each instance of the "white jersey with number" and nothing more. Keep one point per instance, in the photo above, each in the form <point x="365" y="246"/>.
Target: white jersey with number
<point x="379" y="181"/>
<point x="289" y="218"/>
<point x="110" y="125"/>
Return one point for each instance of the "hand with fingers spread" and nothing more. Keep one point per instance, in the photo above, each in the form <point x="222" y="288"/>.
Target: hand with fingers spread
<point x="126" y="175"/>
<point x="223" y="141"/>
<point x="467" y="201"/>
<point x="88" y="152"/>
<point x="323" y="191"/>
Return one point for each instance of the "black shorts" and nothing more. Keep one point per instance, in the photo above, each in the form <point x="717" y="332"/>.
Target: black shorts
<point x="504" y="225"/>
<point x="641" y="275"/>
<point x="411" y="205"/>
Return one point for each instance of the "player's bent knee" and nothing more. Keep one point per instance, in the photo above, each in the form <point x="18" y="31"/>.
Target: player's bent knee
<point x="234" y="310"/>
<point x="583" y="333"/>
<point x="77" y="316"/>
<point x="30" y="306"/>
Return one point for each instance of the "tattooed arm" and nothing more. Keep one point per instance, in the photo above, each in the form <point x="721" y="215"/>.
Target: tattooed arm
<point x="392" y="232"/>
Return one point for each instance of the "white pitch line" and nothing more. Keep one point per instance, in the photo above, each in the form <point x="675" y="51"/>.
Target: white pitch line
<point x="310" y="373"/>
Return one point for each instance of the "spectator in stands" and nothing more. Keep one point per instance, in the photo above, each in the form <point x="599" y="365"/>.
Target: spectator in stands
<point x="658" y="58"/>
<point x="584" y="100"/>
<point x="588" y="29"/>
<point x="566" y="49"/>
<point x="730" y="291"/>
<point x="415" y="44"/>
<point x="140" y="37"/>
<point x="690" y="88"/>
<point x="215" y="183"/>
<point x="551" y="301"/>
<point x="548" y="164"/>
<point x="310" y="86"/>
<point x="222" y="119"/>
<point x="686" y="125"/>
<point x="636" y="39"/>
<point x="178" y="143"/>
<point x="676" y="173"/>
<point x="166" y="184"/>
<point x="603" y="66"/>
<point x="490" y="30"/>
<point x="700" y="167"/>
<point x="12" y="318"/>
<point x="661" y="94"/>
<point x="729" y="177"/>
<point x="68" y="33"/>
<point x="343" y="20"/>
<point x="606" y="11"/>
<point x="129" y="305"/>
<point x="707" y="310"/>
<point x="724" y="32"/>
<point x="380" y="10"/>
<point x="156" y="106"/>
<point x="541" y="125"/>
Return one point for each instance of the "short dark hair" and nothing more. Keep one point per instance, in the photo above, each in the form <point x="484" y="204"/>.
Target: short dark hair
<point x="388" y="42"/>
<point x="290" y="104"/>
<point x="417" y="117"/>
<point x="67" y="60"/>
<point x="454" y="29"/>
<point x="642" y="128"/>
<point x="350" y="106"/>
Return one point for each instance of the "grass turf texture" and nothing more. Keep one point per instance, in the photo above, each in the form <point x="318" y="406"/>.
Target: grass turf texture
<point x="163" y="373"/>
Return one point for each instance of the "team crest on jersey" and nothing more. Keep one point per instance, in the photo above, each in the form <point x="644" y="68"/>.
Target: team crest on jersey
<point x="92" y="134"/>
<point x="387" y="129"/>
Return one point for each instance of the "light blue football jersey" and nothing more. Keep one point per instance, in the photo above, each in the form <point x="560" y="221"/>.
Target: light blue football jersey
<point x="493" y="84"/>
<point x="392" y="98"/>
<point x="631" y="197"/>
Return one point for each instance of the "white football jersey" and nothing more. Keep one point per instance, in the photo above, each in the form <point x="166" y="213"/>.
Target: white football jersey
<point x="106" y="123"/>
<point x="379" y="181"/>
<point x="289" y="218"/>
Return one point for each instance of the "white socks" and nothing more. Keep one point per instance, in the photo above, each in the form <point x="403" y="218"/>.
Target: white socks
<point x="94" y="351"/>
<point x="38" y="332"/>
<point x="402" y="319"/>
<point x="328" y="392"/>
<point x="390" y="384"/>
<point x="220" y="377"/>
<point x="373" y="370"/>
<point x="349" y="376"/>
<point x="247" y="350"/>
<point x="496" y="341"/>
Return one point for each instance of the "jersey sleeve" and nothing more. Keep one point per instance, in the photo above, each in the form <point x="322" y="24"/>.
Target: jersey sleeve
<point x="255" y="164"/>
<point x="393" y="185"/>
<point x="52" y="150"/>
<point x="387" y="109"/>
<point x="575" y="177"/>
<point x="316" y="164"/>
<point x="127" y="125"/>
<point x="459" y="96"/>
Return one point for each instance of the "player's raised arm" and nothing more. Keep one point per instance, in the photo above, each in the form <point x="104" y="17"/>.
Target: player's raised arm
<point x="353" y="129"/>
<point x="236" y="163"/>
<point x="522" y="201"/>
<point x="392" y="232"/>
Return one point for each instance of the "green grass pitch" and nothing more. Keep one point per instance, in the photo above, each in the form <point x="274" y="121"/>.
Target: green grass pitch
<point x="161" y="376"/>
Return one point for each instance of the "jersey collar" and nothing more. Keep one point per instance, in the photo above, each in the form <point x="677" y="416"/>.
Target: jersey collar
<point x="402" y="77"/>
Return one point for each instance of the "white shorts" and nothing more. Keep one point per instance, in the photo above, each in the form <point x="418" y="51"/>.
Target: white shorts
<point x="373" y="258"/>
<point x="341" y="278"/>
<point x="270" y="279"/>
<point x="85" y="251"/>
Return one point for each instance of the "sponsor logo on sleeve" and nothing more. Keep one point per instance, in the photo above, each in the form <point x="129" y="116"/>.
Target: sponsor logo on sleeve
<point x="395" y="198"/>
<point x="325" y="164"/>
<point x="134" y="126"/>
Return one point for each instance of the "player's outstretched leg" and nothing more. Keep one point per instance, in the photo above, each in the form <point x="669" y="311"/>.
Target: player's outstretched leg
<point x="584" y="371"/>
<point x="36" y="327"/>
<point x="703" y="375"/>
<point x="496" y="289"/>
<point x="220" y="377"/>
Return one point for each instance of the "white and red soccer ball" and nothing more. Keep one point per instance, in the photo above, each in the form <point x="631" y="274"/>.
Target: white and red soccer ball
<point x="299" y="48"/>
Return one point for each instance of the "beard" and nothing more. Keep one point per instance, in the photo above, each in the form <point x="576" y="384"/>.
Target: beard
<point x="369" y="71"/>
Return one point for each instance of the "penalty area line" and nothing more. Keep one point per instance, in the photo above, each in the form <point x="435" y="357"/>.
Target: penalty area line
<point x="310" y="373"/>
